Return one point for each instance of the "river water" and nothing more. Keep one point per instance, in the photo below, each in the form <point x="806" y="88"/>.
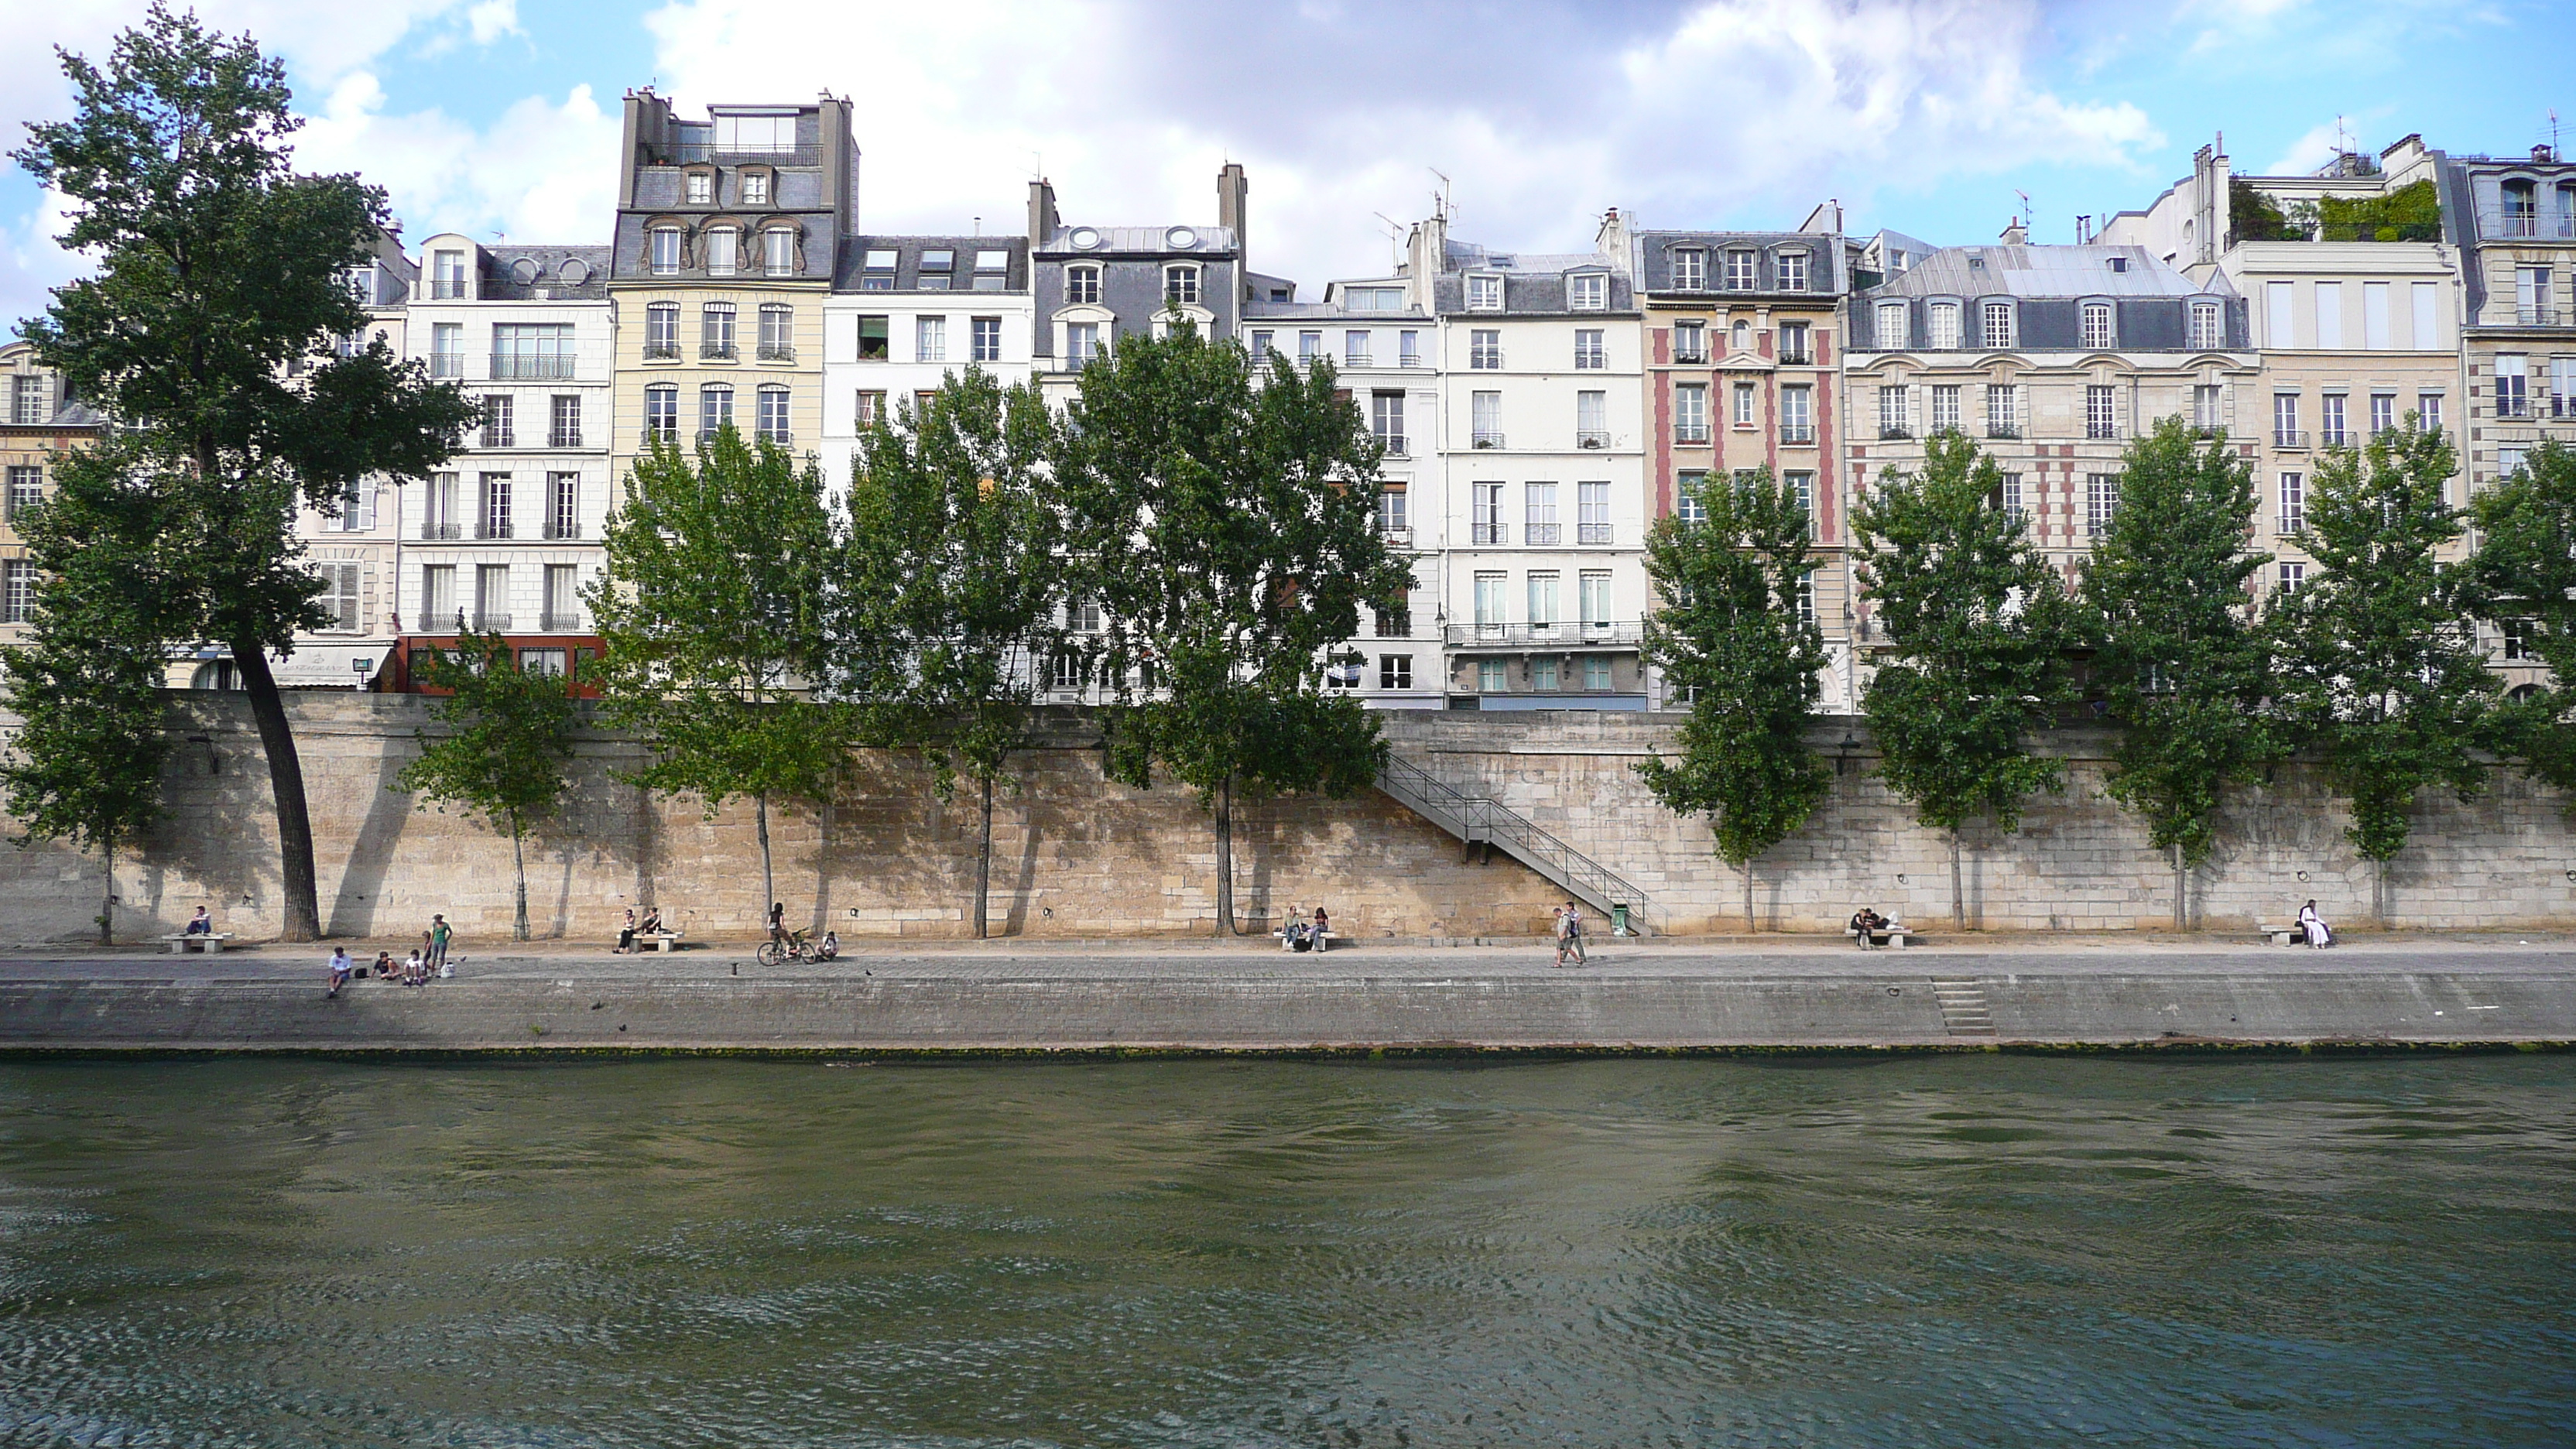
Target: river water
<point x="1910" y="1251"/>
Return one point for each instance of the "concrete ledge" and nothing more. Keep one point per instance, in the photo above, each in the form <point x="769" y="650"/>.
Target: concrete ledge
<point x="1411" y="1010"/>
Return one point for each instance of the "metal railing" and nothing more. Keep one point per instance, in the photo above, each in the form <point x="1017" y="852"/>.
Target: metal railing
<point x="1480" y="820"/>
<point x="2539" y="317"/>
<point x="1592" y="533"/>
<point x="447" y="289"/>
<point x="2289" y="438"/>
<point x="716" y="352"/>
<point x="499" y="437"/>
<point x="2334" y="437"/>
<point x="777" y="352"/>
<point x="661" y="352"/>
<point x="1484" y="439"/>
<point x="516" y="367"/>
<point x="1690" y="432"/>
<point x="1397" y="536"/>
<point x="2102" y="432"/>
<point x="442" y="532"/>
<point x="2502" y="222"/>
<point x="2513" y="407"/>
<point x="559" y="438"/>
<point x="1394" y="443"/>
<point x="1797" y="359"/>
<point x="551" y="622"/>
<point x="1890" y="431"/>
<point x="490" y="531"/>
<point x="559" y="528"/>
<point x="1356" y="359"/>
<point x="487" y="621"/>
<point x="1690" y="356"/>
<point x="2003" y="430"/>
<point x="1411" y="359"/>
<point x="1592" y="438"/>
<point x="1559" y="635"/>
<point x="2286" y="524"/>
<point x="780" y="436"/>
<point x="447" y="364"/>
<point x="1797" y="432"/>
<point x="1540" y="535"/>
<point x="1489" y="533"/>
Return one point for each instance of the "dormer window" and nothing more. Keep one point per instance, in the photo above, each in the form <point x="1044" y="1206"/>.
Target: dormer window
<point x="2121" y="264"/>
<point x="992" y="271"/>
<point x="2097" y="330"/>
<point x="698" y="187"/>
<point x="1891" y="326"/>
<point x="1999" y="329"/>
<point x="778" y="251"/>
<point x="1082" y="286"/>
<point x="877" y="270"/>
<point x="1587" y="291"/>
<point x="664" y="256"/>
<point x="1793" y="271"/>
<point x="724" y="251"/>
<point x="1943" y="318"/>
<point x="1690" y="269"/>
<point x="2208" y="326"/>
<point x="937" y="265"/>
<point x="1484" y="294"/>
<point x="1742" y="271"/>
<point x="1180" y="283"/>
<point x="755" y="188"/>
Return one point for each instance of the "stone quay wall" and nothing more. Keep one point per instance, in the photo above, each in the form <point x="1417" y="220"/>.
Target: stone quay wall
<point x="1076" y="856"/>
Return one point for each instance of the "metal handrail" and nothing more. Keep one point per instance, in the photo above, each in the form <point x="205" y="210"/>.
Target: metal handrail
<point x="1480" y="820"/>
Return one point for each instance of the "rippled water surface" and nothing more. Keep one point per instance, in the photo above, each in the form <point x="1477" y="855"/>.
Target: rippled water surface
<point x="1957" y="1251"/>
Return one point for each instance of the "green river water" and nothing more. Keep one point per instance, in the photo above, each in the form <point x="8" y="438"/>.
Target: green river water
<point x="1910" y="1251"/>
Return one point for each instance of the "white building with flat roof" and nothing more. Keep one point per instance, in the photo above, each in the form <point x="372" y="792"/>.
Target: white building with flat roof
<point x="905" y="314"/>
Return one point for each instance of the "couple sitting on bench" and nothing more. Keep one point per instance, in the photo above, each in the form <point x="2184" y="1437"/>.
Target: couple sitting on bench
<point x="1296" y="933"/>
<point x="1872" y="929"/>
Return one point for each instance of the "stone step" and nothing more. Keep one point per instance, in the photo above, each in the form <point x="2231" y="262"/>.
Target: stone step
<point x="1964" y="1009"/>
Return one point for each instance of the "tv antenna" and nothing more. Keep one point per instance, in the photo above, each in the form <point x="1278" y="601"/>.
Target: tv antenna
<point x="1440" y="198"/>
<point x="2025" y="207"/>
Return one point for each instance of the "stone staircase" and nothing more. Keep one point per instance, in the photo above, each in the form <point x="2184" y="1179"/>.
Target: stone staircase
<point x="1479" y="820"/>
<point x="1964" y="1010"/>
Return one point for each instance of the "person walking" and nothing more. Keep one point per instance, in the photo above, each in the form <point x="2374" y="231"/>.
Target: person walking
<point x="436" y="959"/>
<point x="339" y="969"/>
<point x="1573" y="935"/>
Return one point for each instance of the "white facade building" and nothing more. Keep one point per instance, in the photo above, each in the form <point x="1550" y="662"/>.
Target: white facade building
<point x="905" y="314"/>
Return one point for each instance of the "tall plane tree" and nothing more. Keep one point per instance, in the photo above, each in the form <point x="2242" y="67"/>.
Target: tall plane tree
<point x="2523" y="577"/>
<point x="1977" y="625"/>
<point x="953" y="584"/>
<point x="2182" y="666"/>
<point x="2379" y="666"/>
<point x="1234" y="539"/>
<point x="710" y="614"/>
<point x="208" y="330"/>
<point x="507" y="739"/>
<point x="1736" y="629"/>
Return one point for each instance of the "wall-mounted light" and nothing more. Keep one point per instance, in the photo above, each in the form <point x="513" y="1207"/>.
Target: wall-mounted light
<point x="1843" y="752"/>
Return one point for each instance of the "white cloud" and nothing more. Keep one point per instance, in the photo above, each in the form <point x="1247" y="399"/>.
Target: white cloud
<point x="539" y="172"/>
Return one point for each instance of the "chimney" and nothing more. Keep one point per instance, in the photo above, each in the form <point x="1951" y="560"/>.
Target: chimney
<point x="1230" y="191"/>
<point x="1041" y="212"/>
<point x="2016" y="234"/>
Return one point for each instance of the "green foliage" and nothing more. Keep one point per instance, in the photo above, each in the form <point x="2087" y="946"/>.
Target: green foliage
<point x="2181" y="665"/>
<point x="2523" y="578"/>
<point x="507" y="735"/>
<point x="2376" y="661"/>
<point x="1977" y="624"/>
<point x="1729" y="630"/>
<point x="2254" y="216"/>
<point x="2411" y="213"/>
<point x="711" y="612"/>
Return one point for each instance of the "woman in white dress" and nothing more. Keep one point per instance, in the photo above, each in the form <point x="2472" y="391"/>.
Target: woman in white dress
<point x="2314" y="926"/>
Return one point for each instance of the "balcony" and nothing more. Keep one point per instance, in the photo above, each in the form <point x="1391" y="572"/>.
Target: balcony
<point x="2289" y="438"/>
<point x="1690" y="432"/>
<point x="1484" y="439"/>
<point x="778" y="437"/>
<point x="554" y="621"/>
<point x="1489" y="534"/>
<point x="1800" y="358"/>
<point x="2102" y="432"/>
<point x="2284" y="525"/>
<point x="442" y="532"/>
<point x="559" y="529"/>
<point x="717" y="352"/>
<point x="777" y="352"/>
<point x="2524" y="225"/>
<point x="1592" y="438"/>
<point x="665" y="435"/>
<point x="508" y="367"/>
<point x="1592" y="533"/>
<point x="661" y="352"/>
<point x="2333" y="438"/>
<point x="1893" y="432"/>
<point x="449" y="289"/>
<point x="559" y="438"/>
<point x="446" y="364"/>
<point x="487" y="621"/>
<point x="1541" y="535"/>
<point x="1411" y="359"/>
<point x="499" y="438"/>
<point x="1798" y="433"/>
<point x="1691" y="356"/>
<point x="1396" y="535"/>
<point x="2004" y="431"/>
<point x="2539" y="317"/>
<point x="1567" y="635"/>
<point x="494" y="530"/>
<point x="1356" y="359"/>
<point x="1395" y="445"/>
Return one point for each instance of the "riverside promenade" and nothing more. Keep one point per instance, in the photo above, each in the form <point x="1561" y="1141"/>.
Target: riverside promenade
<point x="2124" y="990"/>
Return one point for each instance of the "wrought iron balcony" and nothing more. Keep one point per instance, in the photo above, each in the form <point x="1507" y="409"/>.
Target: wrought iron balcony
<point x="561" y="622"/>
<point x="1485" y="439"/>
<point x="2539" y="317"/>
<point x="661" y="352"/>
<point x="1797" y="432"/>
<point x="1690" y="432"/>
<point x="517" y="367"/>
<point x="2289" y="438"/>
<point x="2286" y="524"/>
<point x="1490" y="534"/>
<point x="1799" y="358"/>
<point x="716" y="352"/>
<point x="442" y="532"/>
<point x="2006" y="431"/>
<point x="2334" y="438"/>
<point x="448" y="289"/>
<point x="563" y="528"/>
<point x="446" y="364"/>
<point x="1592" y="533"/>
<point x="777" y="352"/>
<point x="494" y="529"/>
<point x="1691" y="356"/>
<point x="1356" y="359"/>
<point x="1541" y="535"/>
<point x="2102" y="432"/>
<point x="1564" y="635"/>
<point x="1394" y="443"/>
<point x="490" y="621"/>
<point x="1397" y="536"/>
<point x="1891" y="432"/>
<point x="559" y="438"/>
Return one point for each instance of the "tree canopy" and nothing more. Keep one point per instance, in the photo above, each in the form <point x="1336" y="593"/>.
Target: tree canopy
<point x="506" y="738"/>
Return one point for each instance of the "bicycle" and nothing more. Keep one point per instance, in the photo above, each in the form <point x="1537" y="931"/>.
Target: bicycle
<point x="774" y="952"/>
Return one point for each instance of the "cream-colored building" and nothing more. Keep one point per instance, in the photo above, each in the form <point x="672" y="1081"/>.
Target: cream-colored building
<point x="40" y="421"/>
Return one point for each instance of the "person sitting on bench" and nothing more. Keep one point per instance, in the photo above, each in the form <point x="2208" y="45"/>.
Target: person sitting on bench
<point x="1865" y="923"/>
<point x="200" y="924"/>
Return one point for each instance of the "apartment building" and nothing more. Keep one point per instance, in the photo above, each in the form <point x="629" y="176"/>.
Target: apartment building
<point x="40" y="421"/>
<point x="2052" y="358"/>
<point x="2514" y="219"/>
<point x="728" y="233"/>
<point x="1092" y="285"/>
<point x="1742" y="365"/>
<point x="1540" y="580"/>
<point x="908" y="312"/>
<point x="504" y="537"/>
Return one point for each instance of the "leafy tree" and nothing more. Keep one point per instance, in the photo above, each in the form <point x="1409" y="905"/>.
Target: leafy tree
<point x="2523" y="580"/>
<point x="1731" y="631"/>
<point x="86" y="765"/>
<point x="208" y="330"/>
<point x="508" y="735"/>
<point x="2254" y="216"/>
<point x="2181" y="664"/>
<point x="711" y="617"/>
<point x="954" y="573"/>
<point x="2412" y="212"/>
<point x="1977" y="625"/>
<point x="2378" y="666"/>
<point x="1232" y="529"/>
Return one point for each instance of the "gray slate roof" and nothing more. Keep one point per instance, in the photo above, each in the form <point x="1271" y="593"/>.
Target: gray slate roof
<point x="2044" y="271"/>
<point x="500" y="281"/>
<point x="850" y="274"/>
<point x="1140" y="240"/>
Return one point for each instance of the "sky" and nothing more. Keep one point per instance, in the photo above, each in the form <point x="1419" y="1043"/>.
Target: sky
<point x="499" y="118"/>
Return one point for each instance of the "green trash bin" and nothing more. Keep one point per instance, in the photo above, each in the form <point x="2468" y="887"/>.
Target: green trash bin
<point x="1619" y="919"/>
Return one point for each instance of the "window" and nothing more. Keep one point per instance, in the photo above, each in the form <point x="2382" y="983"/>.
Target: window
<point x="1690" y="342"/>
<point x="2285" y="421"/>
<point x="936" y="265"/>
<point x="1744" y="406"/>
<point x="2562" y="387"/>
<point x="2329" y="314"/>
<point x="1588" y="349"/>
<point x="339" y="597"/>
<point x="2003" y="410"/>
<point x="715" y="332"/>
<point x="1082" y="614"/>
<point x="2510" y="458"/>
<point x="1793" y="344"/>
<point x="661" y="412"/>
<point x="2516" y="638"/>
<point x="1355" y="349"/>
<point x="1592" y="419"/>
<point x="1395" y="671"/>
<point x="868" y="409"/>
<point x="1686" y="500"/>
<point x="992" y="270"/>
<point x="715" y="409"/>
<point x="1082" y="286"/>
<point x="2008" y="497"/>
<point x="1486" y="500"/>
<point x="2531" y="297"/>
<point x="1485" y="294"/>
<point x="26" y="490"/>
<point x="1741" y="274"/>
<point x="1743" y="336"/>
<point x="1690" y="269"/>
<point x="755" y="188"/>
<point x="2428" y="410"/>
<point x="987" y="339"/>
<point x="2101" y="502"/>
<point x="1596" y="600"/>
<point x="875" y="339"/>
<point x="446" y="359"/>
<point x="563" y="421"/>
<point x="1999" y="324"/>
<point x="1944" y="318"/>
<point x="772" y="418"/>
<point x="1543" y="612"/>
<point x="1489" y="596"/>
<point x="1596" y="672"/>
<point x="777" y="332"/>
<point x="1802" y="488"/>
<point x="1540" y="530"/>
<point x="1386" y="420"/>
<point x="437" y="596"/>
<point x="2428" y="317"/>
<point x="1485" y="349"/>
<point x="2208" y="327"/>
<point x="1891" y="327"/>
<point x="1797" y="414"/>
<point x="1895" y="411"/>
<point x="2383" y="413"/>
<point x="2101" y="411"/>
<point x="1945" y="407"/>
<point x="2096" y="325"/>
<point x="1081" y="343"/>
<point x="1310" y="348"/>
<point x="1587" y="291"/>
<point x="2294" y="504"/>
<point x="1690" y="413"/>
<point x="1793" y="271"/>
<point x="930" y="339"/>
<point x="1806" y="599"/>
<point x="1393" y="519"/>
<point x="497" y="421"/>
<point x="563" y="505"/>
<point x="1180" y="283"/>
<point x="447" y="276"/>
<point x="530" y="351"/>
<point x="2331" y="432"/>
<point x="700" y="188"/>
<point x="664" y="258"/>
<point x="2512" y="385"/>
<point x="661" y="331"/>
<point x="1543" y="674"/>
<point x="1592" y="513"/>
<point x="2293" y="574"/>
<point x="357" y="507"/>
<point x="724" y="251"/>
<point x="1069" y="669"/>
<point x="1408" y="348"/>
<point x="1263" y="344"/>
<point x="495" y="519"/>
<point x="561" y="610"/>
<point x="2280" y="308"/>
<point x="778" y="251"/>
<point x="1489" y="676"/>
<point x="755" y="135"/>
<point x="18" y="600"/>
<point x="2374" y="316"/>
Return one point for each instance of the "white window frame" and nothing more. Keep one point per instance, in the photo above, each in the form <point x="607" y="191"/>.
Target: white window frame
<point x="1690" y="269"/>
<point x="1484" y="292"/>
<point x="1587" y="292"/>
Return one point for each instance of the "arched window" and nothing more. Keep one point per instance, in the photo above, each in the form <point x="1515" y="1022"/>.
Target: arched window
<point x="1892" y="331"/>
<point x="1943" y="325"/>
<point x="2098" y="331"/>
<point x="778" y="251"/>
<point x="724" y="251"/>
<point x="664" y="258"/>
<point x="1743" y="336"/>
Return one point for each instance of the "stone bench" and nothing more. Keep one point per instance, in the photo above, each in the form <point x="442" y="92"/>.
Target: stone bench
<point x="210" y="941"/>
<point x="2280" y="935"/>
<point x="1323" y="940"/>
<point x="665" y="942"/>
<point x="1891" y="934"/>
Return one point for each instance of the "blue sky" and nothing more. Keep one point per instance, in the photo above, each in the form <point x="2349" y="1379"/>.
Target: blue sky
<point x="500" y="116"/>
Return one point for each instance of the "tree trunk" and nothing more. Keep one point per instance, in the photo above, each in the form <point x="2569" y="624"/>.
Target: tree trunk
<point x="984" y="862"/>
<point x="1749" y="927"/>
<point x="1225" y="857"/>
<point x="1958" y="893"/>
<point x="2182" y="908"/>
<point x="301" y="906"/>
<point x="2379" y="893"/>
<point x="519" y="858"/>
<point x="107" y="907"/>
<point x="768" y="885"/>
